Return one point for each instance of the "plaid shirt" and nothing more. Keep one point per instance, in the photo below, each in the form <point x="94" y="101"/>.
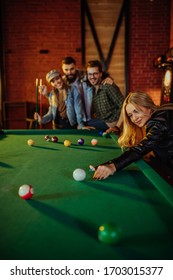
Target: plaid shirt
<point x="107" y="102"/>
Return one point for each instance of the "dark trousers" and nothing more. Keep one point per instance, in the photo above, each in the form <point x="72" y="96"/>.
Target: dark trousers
<point x="64" y="123"/>
<point x="98" y="124"/>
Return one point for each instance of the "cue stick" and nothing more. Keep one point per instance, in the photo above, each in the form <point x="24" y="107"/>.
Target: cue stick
<point x="36" y="109"/>
<point x="41" y="102"/>
<point x="94" y="168"/>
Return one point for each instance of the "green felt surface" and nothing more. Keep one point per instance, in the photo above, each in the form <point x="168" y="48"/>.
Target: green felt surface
<point x="162" y="185"/>
<point x="61" y="221"/>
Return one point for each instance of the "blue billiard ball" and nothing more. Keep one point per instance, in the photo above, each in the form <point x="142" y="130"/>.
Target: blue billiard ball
<point x="100" y="133"/>
<point x="80" y="141"/>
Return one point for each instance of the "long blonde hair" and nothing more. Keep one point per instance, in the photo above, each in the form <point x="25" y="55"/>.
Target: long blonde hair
<point x="132" y="134"/>
<point x="56" y="92"/>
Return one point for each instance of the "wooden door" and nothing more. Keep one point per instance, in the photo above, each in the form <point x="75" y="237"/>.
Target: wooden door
<point x="104" y="36"/>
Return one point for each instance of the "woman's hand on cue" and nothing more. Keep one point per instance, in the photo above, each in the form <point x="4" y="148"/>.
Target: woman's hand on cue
<point x="103" y="171"/>
<point x="43" y="90"/>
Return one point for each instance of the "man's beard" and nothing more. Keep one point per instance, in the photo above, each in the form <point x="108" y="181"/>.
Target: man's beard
<point x="71" y="78"/>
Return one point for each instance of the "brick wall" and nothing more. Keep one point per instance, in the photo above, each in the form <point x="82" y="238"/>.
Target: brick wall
<point x="149" y="38"/>
<point x="34" y="26"/>
<point x="31" y="27"/>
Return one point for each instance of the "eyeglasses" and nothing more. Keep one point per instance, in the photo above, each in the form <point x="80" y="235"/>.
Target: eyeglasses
<point x="93" y="74"/>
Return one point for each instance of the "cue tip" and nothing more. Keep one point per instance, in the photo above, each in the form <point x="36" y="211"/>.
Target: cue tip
<point x="92" y="168"/>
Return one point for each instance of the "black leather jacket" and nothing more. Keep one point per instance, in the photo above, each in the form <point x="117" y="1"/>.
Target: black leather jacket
<point x="159" y="139"/>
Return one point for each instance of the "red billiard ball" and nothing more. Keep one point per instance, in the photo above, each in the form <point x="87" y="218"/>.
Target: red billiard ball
<point x="47" y="138"/>
<point x="26" y="191"/>
<point x="80" y="141"/>
<point x="55" y="139"/>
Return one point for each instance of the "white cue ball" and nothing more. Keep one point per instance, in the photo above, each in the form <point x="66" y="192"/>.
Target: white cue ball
<point x="79" y="174"/>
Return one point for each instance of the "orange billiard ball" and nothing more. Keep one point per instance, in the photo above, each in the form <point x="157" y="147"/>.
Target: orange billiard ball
<point x="94" y="142"/>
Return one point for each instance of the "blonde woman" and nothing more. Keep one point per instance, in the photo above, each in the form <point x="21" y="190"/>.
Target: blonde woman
<point x="65" y="104"/>
<point x="146" y="128"/>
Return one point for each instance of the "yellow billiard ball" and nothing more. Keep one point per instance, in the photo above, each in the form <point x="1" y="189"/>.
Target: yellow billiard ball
<point x="67" y="143"/>
<point x="30" y="142"/>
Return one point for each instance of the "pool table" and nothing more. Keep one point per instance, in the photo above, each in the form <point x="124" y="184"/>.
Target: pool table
<point x="61" y="220"/>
